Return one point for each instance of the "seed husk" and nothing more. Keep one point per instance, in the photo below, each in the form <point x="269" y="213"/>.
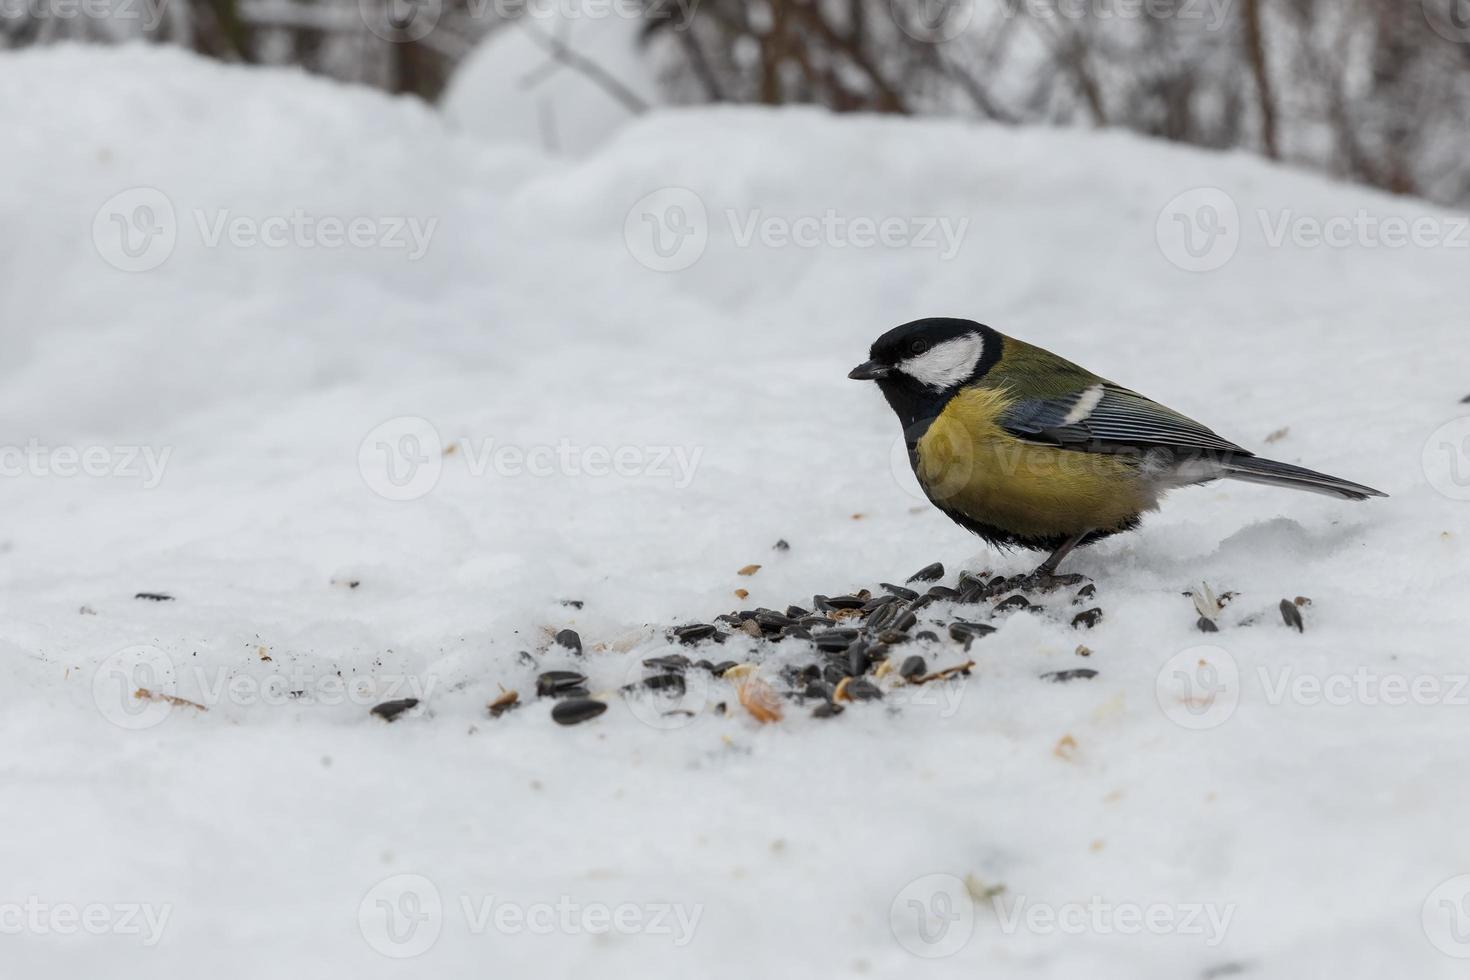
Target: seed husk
<point x="672" y="662"/>
<point x="760" y="700"/>
<point x="507" y="701"/>
<point x="577" y="710"/>
<point x="929" y="573"/>
<point x="1086" y="592"/>
<point x="749" y="570"/>
<point x="390" y="710"/>
<point x="929" y="635"/>
<point x="1292" y="615"/>
<point x="570" y="640"/>
<point x="1087" y="618"/>
<point x="1075" y="674"/>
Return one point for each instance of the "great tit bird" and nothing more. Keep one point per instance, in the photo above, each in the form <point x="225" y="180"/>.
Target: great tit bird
<point x="1029" y="450"/>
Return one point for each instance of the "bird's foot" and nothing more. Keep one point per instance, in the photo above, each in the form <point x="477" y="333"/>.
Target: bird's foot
<point x="1045" y="580"/>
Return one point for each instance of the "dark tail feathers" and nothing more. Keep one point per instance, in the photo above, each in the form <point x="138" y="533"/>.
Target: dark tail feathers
<point x="1253" y="469"/>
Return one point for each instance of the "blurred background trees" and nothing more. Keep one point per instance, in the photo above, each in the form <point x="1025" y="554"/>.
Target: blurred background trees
<point x="1376" y="91"/>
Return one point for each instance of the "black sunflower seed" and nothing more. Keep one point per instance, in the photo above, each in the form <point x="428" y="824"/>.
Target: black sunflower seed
<point x="860" y="690"/>
<point x="899" y="591"/>
<point x="797" y="633"/>
<point x="819" y="691"/>
<point x="884" y="616"/>
<point x="1075" y="674"/>
<point x="554" y="683"/>
<point x="834" y="639"/>
<point x="858" y="660"/>
<point x="834" y="674"/>
<point x="796" y="612"/>
<point x="905" y="621"/>
<point x="781" y="545"/>
<point x="577" y="710"/>
<point x="1086" y="592"/>
<point x="929" y="573"/>
<point x="913" y="666"/>
<point x="827" y="710"/>
<point x="812" y="622"/>
<point x="1206" y="625"/>
<point x="570" y="640"/>
<point x="658" y="682"/>
<point x="672" y="662"/>
<point x="890" y="637"/>
<point x="942" y="592"/>
<point x="847" y="601"/>
<point x="968" y="633"/>
<point x="694" y="632"/>
<point x="389" y="710"/>
<point x="771" y="621"/>
<point x="1014" y="602"/>
<point x="157" y="597"/>
<point x="724" y="665"/>
<point x="1087" y="618"/>
<point x="1292" y="616"/>
<point x="929" y="635"/>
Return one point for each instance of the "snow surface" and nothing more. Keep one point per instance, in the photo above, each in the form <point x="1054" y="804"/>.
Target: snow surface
<point x="265" y="828"/>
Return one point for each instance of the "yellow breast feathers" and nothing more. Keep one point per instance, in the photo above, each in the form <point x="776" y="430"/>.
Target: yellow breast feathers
<point x="968" y="463"/>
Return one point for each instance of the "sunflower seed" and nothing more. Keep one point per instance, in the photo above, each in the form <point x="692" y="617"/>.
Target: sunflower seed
<point x="1088" y="618"/>
<point x="827" y="710"/>
<point x="1014" y="602"/>
<point x="857" y="689"/>
<point x="694" y="632"/>
<point x="899" y="591"/>
<point x="847" y="601"/>
<point x="884" y="616"/>
<point x="781" y="545"/>
<point x="1206" y="625"/>
<point x="720" y="668"/>
<point x="818" y="691"/>
<point x="929" y="635"/>
<point x="942" y="592"/>
<point x="967" y="633"/>
<point x="576" y="711"/>
<point x="658" y="682"/>
<point x="929" y="573"/>
<point x="159" y="597"/>
<point x="390" y="710"/>
<point x="1292" y="616"/>
<point x="771" y="621"/>
<point x="891" y="637"/>
<point x="570" y="640"/>
<point x="674" y="662"/>
<point x="796" y="612"/>
<point x="1086" y="592"/>
<point x="555" y="683"/>
<point x="913" y="666"/>
<point x="858" y="660"/>
<point x="797" y="633"/>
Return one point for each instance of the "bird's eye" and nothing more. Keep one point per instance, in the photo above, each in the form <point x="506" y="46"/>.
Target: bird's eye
<point x="918" y="347"/>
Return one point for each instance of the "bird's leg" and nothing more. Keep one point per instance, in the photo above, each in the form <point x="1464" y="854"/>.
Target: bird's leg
<point x="1046" y="577"/>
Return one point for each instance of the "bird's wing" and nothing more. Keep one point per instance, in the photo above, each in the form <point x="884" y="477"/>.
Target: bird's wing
<point x="1106" y="418"/>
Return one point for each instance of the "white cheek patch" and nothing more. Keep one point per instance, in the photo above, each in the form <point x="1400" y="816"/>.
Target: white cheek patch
<point x="947" y="364"/>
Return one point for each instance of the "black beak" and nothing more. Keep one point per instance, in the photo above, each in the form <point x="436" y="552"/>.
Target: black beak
<point x="870" y="371"/>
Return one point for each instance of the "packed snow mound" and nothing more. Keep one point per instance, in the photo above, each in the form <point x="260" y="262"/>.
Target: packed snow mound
<point x="361" y="384"/>
<point x="562" y="78"/>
